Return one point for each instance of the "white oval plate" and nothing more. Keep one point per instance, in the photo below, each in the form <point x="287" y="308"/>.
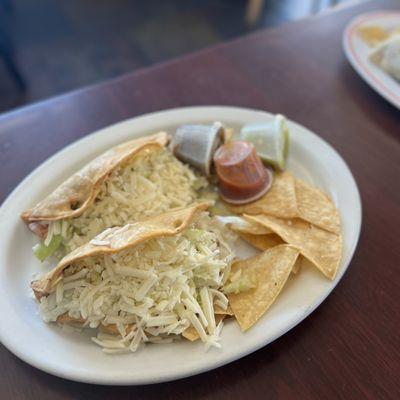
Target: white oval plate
<point x="72" y="355"/>
<point x="357" y="53"/>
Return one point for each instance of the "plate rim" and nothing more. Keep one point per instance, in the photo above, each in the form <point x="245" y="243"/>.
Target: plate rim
<point x="42" y="365"/>
<point x="362" y="68"/>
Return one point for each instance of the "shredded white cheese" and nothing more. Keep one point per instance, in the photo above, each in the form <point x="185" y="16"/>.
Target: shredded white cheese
<point x="152" y="292"/>
<point x="150" y="184"/>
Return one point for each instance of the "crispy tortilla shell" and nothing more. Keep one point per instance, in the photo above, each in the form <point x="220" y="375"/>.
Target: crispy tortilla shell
<point x="114" y="240"/>
<point x="78" y="192"/>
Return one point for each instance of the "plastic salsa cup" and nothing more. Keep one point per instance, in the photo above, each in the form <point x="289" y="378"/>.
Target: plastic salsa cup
<point x="242" y="177"/>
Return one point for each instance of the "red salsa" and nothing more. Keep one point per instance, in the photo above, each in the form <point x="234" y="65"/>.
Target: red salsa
<point x="242" y="176"/>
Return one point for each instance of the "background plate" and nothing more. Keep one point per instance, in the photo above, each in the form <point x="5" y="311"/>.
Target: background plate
<point x="357" y="53"/>
<point x="72" y="355"/>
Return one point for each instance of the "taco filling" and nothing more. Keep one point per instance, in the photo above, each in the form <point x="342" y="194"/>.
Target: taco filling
<point x="153" y="182"/>
<point x="149" y="292"/>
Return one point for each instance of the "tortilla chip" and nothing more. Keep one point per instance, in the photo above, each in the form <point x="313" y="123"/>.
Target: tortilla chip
<point x="271" y="270"/>
<point x="265" y="242"/>
<point x="191" y="333"/>
<point x="262" y="242"/>
<point x="78" y="192"/>
<point x="291" y="198"/>
<point x="316" y="207"/>
<point x="322" y="248"/>
<point x="240" y="225"/>
<point x="219" y="311"/>
<point x="279" y="201"/>
<point x="372" y="35"/>
<point x="297" y="265"/>
<point x="114" y="240"/>
<point x="250" y="229"/>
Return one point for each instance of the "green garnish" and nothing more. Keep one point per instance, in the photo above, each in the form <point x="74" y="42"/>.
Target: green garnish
<point x="42" y="251"/>
<point x="240" y="285"/>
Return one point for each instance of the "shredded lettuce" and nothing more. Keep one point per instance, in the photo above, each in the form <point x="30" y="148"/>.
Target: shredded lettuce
<point x="159" y="288"/>
<point x="150" y="184"/>
<point x="240" y="285"/>
<point x="219" y="209"/>
<point x="194" y="234"/>
<point x="42" y="251"/>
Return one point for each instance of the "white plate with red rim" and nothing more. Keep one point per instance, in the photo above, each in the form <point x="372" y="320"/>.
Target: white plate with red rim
<point x="357" y="51"/>
<point x="73" y="355"/>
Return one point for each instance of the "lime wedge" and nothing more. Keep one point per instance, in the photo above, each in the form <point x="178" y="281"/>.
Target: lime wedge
<point x="271" y="140"/>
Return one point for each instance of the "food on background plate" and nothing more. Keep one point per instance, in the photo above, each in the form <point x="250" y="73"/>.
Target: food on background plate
<point x="386" y="55"/>
<point x="241" y="175"/>
<point x="131" y="181"/>
<point x="385" y="48"/>
<point x="145" y="282"/>
<point x="271" y="139"/>
<point x="372" y="34"/>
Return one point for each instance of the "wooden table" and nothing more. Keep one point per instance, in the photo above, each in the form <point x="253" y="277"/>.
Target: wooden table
<point x="349" y="347"/>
